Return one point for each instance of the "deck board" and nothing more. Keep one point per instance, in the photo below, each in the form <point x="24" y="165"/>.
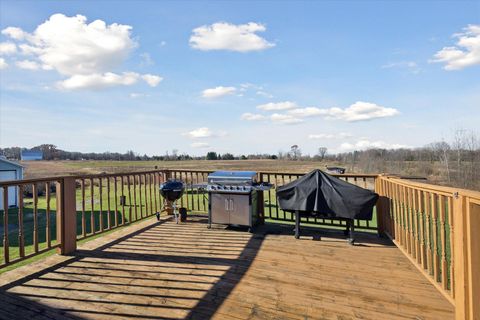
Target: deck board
<point x="159" y="270"/>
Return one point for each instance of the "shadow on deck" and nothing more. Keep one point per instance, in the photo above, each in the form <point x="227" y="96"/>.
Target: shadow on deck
<point x="159" y="270"/>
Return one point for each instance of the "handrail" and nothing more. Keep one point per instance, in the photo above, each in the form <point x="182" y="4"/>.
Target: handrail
<point x="436" y="227"/>
<point x="49" y="206"/>
<point x="434" y="188"/>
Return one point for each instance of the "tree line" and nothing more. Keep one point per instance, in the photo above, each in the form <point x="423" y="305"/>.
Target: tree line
<point x="455" y="163"/>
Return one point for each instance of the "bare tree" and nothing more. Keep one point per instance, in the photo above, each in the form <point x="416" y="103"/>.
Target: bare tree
<point x="295" y="152"/>
<point x="322" y="151"/>
<point x="442" y="151"/>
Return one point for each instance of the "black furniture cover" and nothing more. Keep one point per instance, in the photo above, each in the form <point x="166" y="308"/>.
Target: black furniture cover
<point x="318" y="193"/>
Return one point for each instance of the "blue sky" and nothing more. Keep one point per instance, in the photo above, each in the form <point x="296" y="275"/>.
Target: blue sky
<point x="239" y="77"/>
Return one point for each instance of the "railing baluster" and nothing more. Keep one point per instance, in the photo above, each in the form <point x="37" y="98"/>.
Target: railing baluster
<point x="398" y="222"/>
<point x="204" y="178"/>
<point x="452" y="247"/>
<point x="150" y="191"/>
<point x="100" y="212"/>
<point x="276" y="202"/>
<point x="155" y="190"/>
<point x="421" y="208"/>
<point x="146" y="198"/>
<point x="130" y="199"/>
<point x="413" y="222"/>
<point x="35" y="217"/>
<point x="436" y="258"/>
<point x="411" y="217"/>
<point x="124" y="199"/>
<point x="404" y="219"/>
<point x="197" y="191"/>
<point x="135" y="197"/>
<point x="145" y="193"/>
<point x="6" y="246"/>
<point x="443" y="240"/>
<point x="47" y="216"/>
<point x="109" y="218"/>
<point x="21" y="237"/>
<point x="143" y="202"/>
<point x="115" y="189"/>
<point x="192" y="193"/>
<point x="428" y="233"/>
<point x="92" y="209"/>
<point x="187" y="202"/>
<point x="84" y="223"/>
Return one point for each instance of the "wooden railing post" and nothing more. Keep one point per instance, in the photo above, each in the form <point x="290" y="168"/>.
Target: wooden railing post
<point x="383" y="207"/>
<point x="466" y="220"/>
<point x="473" y="253"/>
<point x="66" y="216"/>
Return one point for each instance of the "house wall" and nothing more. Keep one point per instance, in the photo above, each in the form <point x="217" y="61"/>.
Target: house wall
<point x="10" y="171"/>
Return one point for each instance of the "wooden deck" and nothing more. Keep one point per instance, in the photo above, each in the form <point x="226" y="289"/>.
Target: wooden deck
<point x="159" y="270"/>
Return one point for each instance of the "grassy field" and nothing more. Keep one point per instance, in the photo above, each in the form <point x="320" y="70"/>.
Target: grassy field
<point x="39" y="169"/>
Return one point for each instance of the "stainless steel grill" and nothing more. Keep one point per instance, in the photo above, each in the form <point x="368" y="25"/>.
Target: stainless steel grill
<point x="233" y="198"/>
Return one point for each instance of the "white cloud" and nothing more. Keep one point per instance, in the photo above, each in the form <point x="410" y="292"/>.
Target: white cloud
<point x="466" y="53"/>
<point x="218" y="92"/>
<point x="252" y="116"/>
<point x="135" y="95"/>
<point x="226" y="36"/>
<point x="28" y="50"/>
<point x="203" y="132"/>
<point x="329" y="135"/>
<point x="277" y="106"/>
<point x="367" y="144"/>
<point x="3" y="64"/>
<point x="98" y="81"/>
<point x="15" y="33"/>
<point x="359" y="111"/>
<point x="7" y="48"/>
<point x="84" y="52"/>
<point x="152" y="80"/>
<point x="28" y="65"/>
<point x="285" y="119"/>
<point x="308" y="112"/>
<point x="200" y="145"/>
<point x="264" y="94"/>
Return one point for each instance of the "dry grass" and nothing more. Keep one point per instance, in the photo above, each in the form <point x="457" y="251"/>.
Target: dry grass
<point x="38" y="169"/>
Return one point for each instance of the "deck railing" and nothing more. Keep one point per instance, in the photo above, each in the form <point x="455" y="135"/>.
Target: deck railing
<point x="437" y="228"/>
<point x="49" y="211"/>
<point x="30" y="227"/>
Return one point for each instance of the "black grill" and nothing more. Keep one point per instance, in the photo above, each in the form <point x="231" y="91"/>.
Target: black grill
<point x="172" y="190"/>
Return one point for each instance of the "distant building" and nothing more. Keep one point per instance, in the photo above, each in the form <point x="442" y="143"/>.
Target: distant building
<point x="10" y="170"/>
<point x="31" y="155"/>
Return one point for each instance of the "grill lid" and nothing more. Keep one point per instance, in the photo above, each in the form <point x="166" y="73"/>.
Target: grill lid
<point x="172" y="190"/>
<point x="232" y="177"/>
